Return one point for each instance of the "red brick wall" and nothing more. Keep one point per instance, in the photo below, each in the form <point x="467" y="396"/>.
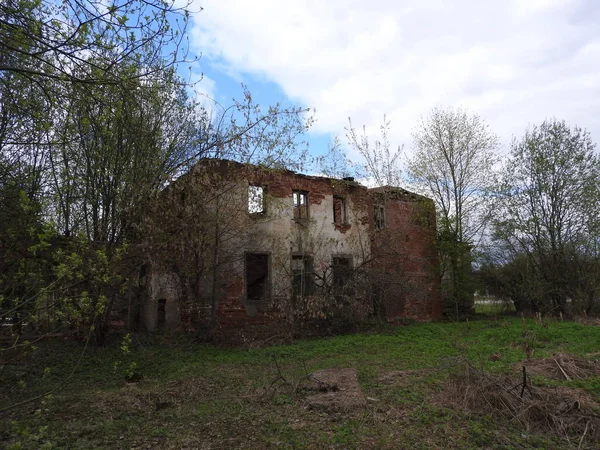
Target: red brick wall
<point x="406" y="249"/>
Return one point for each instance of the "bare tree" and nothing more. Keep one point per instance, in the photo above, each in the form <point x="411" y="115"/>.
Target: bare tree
<point x="548" y="217"/>
<point x="247" y="132"/>
<point x="382" y="161"/>
<point x="454" y="157"/>
<point x="335" y="163"/>
<point x="453" y="162"/>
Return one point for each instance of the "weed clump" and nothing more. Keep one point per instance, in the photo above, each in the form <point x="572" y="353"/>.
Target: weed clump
<point x="561" y="411"/>
<point x="563" y="367"/>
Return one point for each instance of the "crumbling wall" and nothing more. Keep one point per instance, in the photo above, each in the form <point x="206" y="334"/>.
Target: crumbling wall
<point x="163" y="290"/>
<point x="277" y="233"/>
<point x="227" y="232"/>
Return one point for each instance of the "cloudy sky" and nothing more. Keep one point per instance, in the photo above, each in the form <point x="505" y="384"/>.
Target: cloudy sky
<point x="513" y="62"/>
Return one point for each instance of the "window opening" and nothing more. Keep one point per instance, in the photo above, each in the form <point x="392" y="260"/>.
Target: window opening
<point x="257" y="276"/>
<point x="339" y="210"/>
<point x="342" y="273"/>
<point x="302" y="276"/>
<point x="379" y="217"/>
<point x="300" y="204"/>
<point x="256" y="199"/>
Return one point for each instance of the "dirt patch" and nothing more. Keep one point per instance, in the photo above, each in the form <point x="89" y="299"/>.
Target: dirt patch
<point x="562" y="367"/>
<point x="337" y="390"/>
<point x="144" y="397"/>
<point x="561" y="411"/>
<point x="395" y="378"/>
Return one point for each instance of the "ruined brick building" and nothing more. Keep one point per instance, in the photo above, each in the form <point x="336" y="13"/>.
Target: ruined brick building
<point x="253" y="251"/>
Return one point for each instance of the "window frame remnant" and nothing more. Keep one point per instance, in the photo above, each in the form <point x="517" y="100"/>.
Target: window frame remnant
<point x="256" y="199"/>
<point x="339" y="214"/>
<point x="257" y="282"/>
<point x="300" y="204"/>
<point x="379" y="216"/>
<point x="303" y="277"/>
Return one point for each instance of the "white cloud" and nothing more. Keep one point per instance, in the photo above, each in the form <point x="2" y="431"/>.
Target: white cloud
<point x="514" y="63"/>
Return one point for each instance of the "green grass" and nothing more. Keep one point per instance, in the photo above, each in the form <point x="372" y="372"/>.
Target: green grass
<point x="494" y="309"/>
<point x="202" y="396"/>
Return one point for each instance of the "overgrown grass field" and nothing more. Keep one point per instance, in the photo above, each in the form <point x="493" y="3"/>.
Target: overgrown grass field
<point x="202" y="396"/>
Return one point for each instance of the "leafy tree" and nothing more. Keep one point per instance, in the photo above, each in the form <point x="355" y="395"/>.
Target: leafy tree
<point x="93" y="120"/>
<point x="453" y="164"/>
<point x="21" y="274"/>
<point x="121" y="147"/>
<point x="42" y="39"/>
<point x="548" y="214"/>
<point x="46" y="47"/>
<point x="24" y="113"/>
